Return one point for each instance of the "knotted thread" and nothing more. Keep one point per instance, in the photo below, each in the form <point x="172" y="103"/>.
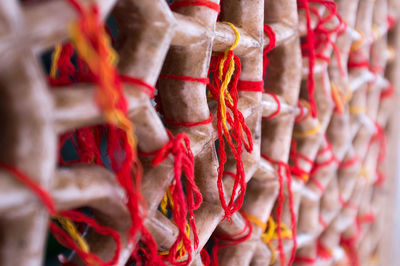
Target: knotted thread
<point x="319" y="38"/>
<point x="179" y="147"/>
<point x="225" y="69"/>
<point x="93" y="47"/>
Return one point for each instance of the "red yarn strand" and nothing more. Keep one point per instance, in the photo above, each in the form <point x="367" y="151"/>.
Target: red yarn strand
<point x="179" y="147"/>
<point x="206" y="3"/>
<point x="146" y="88"/>
<point x="245" y="85"/>
<point x="283" y="167"/>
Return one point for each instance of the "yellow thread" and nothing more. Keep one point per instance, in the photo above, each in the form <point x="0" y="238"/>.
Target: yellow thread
<point x="363" y="173"/>
<point x="356" y="45"/>
<point x="163" y="205"/>
<point x="376" y="32"/>
<point x="224" y="86"/>
<point x="349" y="95"/>
<point x="374" y="260"/>
<point x="54" y="60"/>
<point x="307" y="133"/>
<point x="271" y="234"/>
<point x="257" y="221"/>
<point x="338" y="97"/>
<point x="355" y="109"/>
<point x="70" y="227"/>
<point x="103" y="65"/>
<point x="273" y="253"/>
<point x="180" y="248"/>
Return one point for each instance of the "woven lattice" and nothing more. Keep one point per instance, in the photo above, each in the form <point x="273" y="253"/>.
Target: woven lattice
<point x="338" y="201"/>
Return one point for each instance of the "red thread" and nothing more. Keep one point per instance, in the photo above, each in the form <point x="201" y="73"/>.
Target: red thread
<point x="391" y="21"/>
<point x="295" y="169"/>
<point x="236" y="137"/>
<point x="245" y="85"/>
<point x="388" y="92"/>
<point x="350" y="245"/>
<point x="322" y="222"/>
<point x="366" y="218"/>
<point x="320" y="37"/>
<point x="43" y="196"/>
<point x="179" y="147"/>
<point x="351" y="205"/>
<point x="281" y="198"/>
<point x="350" y="162"/>
<point x="222" y="241"/>
<point x="341" y="200"/>
<point x="278" y="107"/>
<point x="301" y="117"/>
<point x="188" y="124"/>
<point x="190" y="79"/>
<point x="332" y="159"/>
<point x="380" y="180"/>
<point x="310" y="40"/>
<point x="146" y="88"/>
<point x="185" y="78"/>
<point x="305" y="260"/>
<point x="271" y="45"/>
<point x="58" y="233"/>
<point x="322" y="251"/>
<point x="122" y="156"/>
<point x="205" y="258"/>
<point x="317" y="184"/>
<point x="360" y="64"/>
<point x="205" y="3"/>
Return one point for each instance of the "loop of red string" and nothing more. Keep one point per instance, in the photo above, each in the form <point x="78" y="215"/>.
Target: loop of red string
<point x="278" y="107"/>
<point x="302" y="115"/>
<point x="332" y="159"/>
<point x="236" y="137"/>
<point x="222" y="241"/>
<point x="185" y="78"/>
<point x="179" y="147"/>
<point x="295" y="169"/>
<point x="188" y="124"/>
<point x="75" y="216"/>
<point x="284" y="170"/>
<point x="305" y="260"/>
<point x="271" y="45"/>
<point x="189" y="79"/>
<point x="146" y="88"/>
<point x="245" y="85"/>
<point x="205" y="3"/>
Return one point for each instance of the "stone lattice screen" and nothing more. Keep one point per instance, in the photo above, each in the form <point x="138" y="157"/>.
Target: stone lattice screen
<point x="339" y="196"/>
